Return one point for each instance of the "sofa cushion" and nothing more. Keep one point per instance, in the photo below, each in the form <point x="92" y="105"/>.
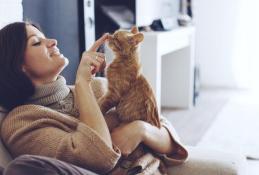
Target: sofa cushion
<point x="5" y="157"/>
<point x="213" y="162"/>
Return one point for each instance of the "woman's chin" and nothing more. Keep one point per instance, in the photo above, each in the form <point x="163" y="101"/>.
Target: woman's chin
<point x="63" y="59"/>
<point x="66" y="61"/>
<point x="62" y="62"/>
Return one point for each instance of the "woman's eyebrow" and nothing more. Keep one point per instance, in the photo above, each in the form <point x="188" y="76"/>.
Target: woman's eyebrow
<point x="32" y="35"/>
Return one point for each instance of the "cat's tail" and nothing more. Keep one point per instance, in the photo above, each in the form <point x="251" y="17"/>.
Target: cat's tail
<point x="153" y="117"/>
<point x="157" y="118"/>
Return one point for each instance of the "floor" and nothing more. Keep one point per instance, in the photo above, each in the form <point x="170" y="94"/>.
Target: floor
<point x="213" y="106"/>
<point x="198" y="119"/>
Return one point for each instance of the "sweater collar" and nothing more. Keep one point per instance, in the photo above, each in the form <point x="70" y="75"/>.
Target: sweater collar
<point x="50" y="93"/>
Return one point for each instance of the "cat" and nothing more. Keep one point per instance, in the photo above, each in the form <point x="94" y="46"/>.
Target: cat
<point x="128" y="90"/>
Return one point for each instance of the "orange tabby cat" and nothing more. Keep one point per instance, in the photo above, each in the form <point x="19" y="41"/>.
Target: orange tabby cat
<point x="128" y="90"/>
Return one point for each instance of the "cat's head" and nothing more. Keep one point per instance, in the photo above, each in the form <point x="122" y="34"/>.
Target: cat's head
<point x="124" y="42"/>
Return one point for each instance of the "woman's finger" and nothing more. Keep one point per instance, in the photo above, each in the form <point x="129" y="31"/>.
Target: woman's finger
<point x="96" y="66"/>
<point x="96" y="60"/>
<point x="99" y="54"/>
<point x="98" y="43"/>
<point x="100" y="57"/>
<point x="96" y="55"/>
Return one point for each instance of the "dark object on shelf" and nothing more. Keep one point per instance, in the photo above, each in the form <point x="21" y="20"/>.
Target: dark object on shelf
<point x="184" y="19"/>
<point x="157" y="25"/>
<point x="189" y="8"/>
<point x="196" y="84"/>
<point x="163" y="24"/>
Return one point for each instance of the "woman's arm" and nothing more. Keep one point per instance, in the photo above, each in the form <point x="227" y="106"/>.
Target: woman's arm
<point x="158" y="139"/>
<point x="89" y="110"/>
<point x="57" y="136"/>
<point x="127" y="137"/>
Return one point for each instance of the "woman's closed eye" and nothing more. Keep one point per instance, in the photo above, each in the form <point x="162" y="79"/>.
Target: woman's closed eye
<point x="36" y="43"/>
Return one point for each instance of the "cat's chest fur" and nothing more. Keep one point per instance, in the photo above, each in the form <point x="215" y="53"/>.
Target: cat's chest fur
<point x="121" y="74"/>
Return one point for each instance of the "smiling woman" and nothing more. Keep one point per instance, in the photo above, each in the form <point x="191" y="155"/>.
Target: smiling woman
<point x="49" y="118"/>
<point x="30" y="80"/>
<point x="42" y="57"/>
<point x="28" y="59"/>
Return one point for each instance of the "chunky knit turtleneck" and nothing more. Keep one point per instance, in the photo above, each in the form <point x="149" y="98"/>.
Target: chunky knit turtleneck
<point x="55" y="95"/>
<point x="50" y="93"/>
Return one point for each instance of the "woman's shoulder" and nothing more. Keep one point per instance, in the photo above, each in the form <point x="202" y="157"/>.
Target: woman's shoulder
<point x="31" y="113"/>
<point x="18" y="118"/>
<point x="27" y="110"/>
<point x="34" y="116"/>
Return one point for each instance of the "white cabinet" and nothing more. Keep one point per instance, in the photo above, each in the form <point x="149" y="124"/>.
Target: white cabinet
<point x="168" y="63"/>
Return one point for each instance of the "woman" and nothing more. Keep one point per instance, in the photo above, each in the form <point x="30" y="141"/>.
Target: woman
<point x="48" y="118"/>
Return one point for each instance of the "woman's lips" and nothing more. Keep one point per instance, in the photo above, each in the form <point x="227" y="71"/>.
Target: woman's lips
<point x="55" y="53"/>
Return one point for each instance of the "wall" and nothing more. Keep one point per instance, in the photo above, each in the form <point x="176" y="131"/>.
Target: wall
<point x="227" y="42"/>
<point x="216" y="34"/>
<point x="10" y="11"/>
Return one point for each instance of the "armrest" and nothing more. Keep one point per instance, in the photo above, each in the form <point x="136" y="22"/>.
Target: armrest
<point x="99" y="86"/>
<point x="210" y="162"/>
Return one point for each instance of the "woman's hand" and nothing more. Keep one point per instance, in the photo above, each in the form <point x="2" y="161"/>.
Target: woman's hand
<point x="128" y="136"/>
<point x="91" y="61"/>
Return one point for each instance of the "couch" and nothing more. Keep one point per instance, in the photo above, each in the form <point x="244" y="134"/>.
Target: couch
<point x="200" y="161"/>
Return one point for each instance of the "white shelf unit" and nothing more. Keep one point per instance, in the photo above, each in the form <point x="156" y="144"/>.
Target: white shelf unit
<point x="168" y="63"/>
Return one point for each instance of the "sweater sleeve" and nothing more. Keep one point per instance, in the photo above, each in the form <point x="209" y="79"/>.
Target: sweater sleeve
<point x="178" y="156"/>
<point x="52" y="134"/>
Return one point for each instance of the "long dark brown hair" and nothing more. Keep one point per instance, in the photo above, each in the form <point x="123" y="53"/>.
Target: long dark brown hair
<point x="15" y="86"/>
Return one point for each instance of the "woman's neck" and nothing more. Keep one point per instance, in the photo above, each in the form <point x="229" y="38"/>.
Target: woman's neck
<point x="49" y="93"/>
<point x="42" y="81"/>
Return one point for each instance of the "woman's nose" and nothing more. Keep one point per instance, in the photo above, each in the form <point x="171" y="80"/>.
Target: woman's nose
<point x="52" y="42"/>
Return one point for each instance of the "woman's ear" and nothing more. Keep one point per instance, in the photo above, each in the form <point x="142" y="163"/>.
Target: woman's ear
<point x="134" y="30"/>
<point x="137" y="38"/>
<point x="23" y="68"/>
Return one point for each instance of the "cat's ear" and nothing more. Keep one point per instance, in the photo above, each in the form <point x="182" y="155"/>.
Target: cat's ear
<point x="137" y="38"/>
<point x="134" y="30"/>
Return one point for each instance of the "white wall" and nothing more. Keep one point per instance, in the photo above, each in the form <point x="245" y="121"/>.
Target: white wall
<point x="227" y="42"/>
<point x="10" y="11"/>
<point x="216" y="24"/>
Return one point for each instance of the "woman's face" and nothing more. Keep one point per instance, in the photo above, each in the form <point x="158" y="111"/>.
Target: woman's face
<point x="43" y="60"/>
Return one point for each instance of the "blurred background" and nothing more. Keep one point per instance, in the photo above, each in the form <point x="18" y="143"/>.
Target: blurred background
<point x="201" y="58"/>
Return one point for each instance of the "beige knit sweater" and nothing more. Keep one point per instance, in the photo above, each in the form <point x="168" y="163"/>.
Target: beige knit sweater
<point x="48" y="126"/>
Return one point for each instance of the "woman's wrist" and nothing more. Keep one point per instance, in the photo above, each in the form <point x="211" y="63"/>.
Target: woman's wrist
<point x="157" y="139"/>
<point x="80" y="80"/>
<point x="143" y="129"/>
<point x="82" y="91"/>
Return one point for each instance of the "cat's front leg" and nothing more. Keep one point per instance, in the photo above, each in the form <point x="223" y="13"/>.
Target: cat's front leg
<point x="107" y="102"/>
